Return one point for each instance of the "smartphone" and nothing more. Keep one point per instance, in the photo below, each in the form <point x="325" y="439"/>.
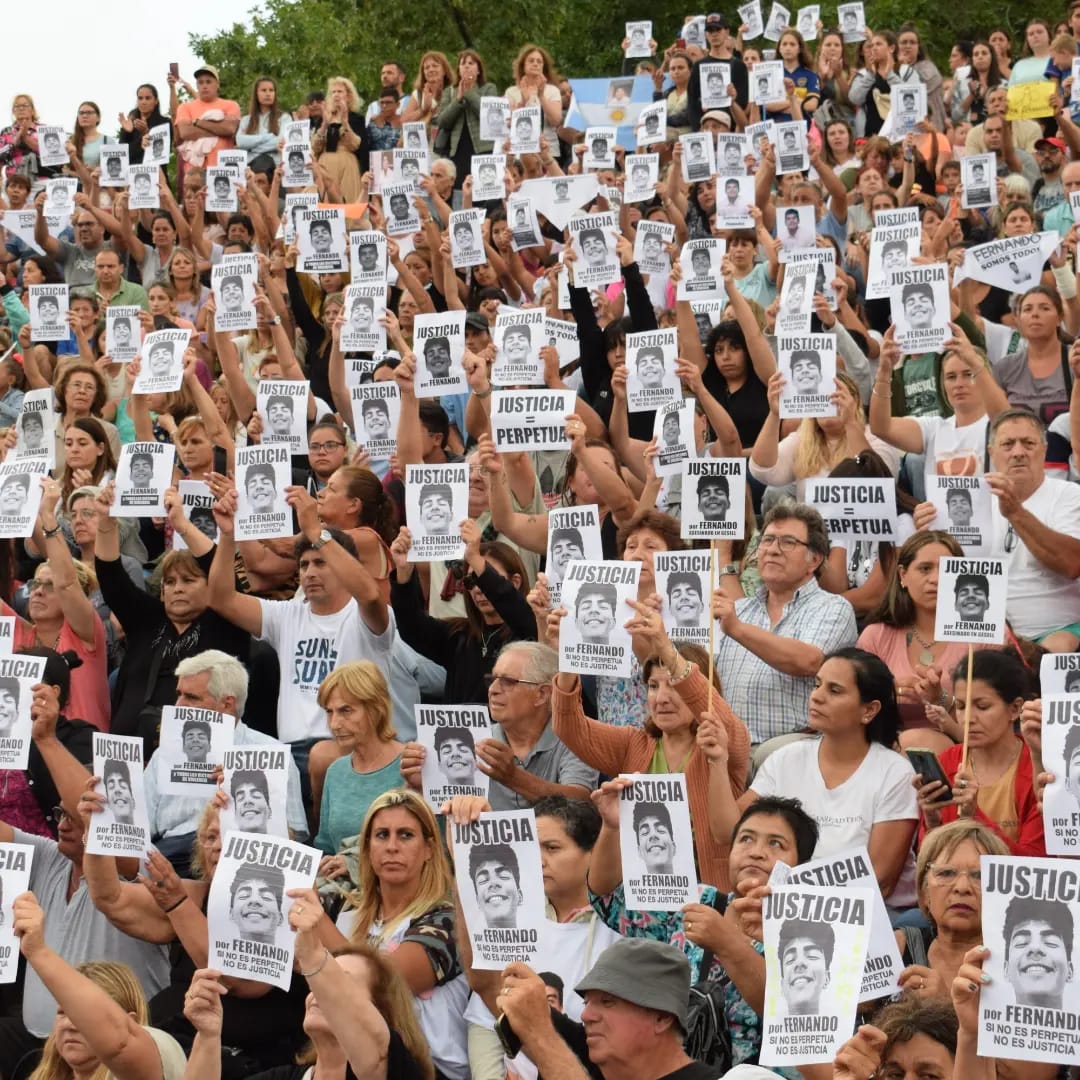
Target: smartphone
<point x="511" y="1044"/>
<point x="925" y="763"/>
<point x="680" y="43"/>
<point x="174" y="70"/>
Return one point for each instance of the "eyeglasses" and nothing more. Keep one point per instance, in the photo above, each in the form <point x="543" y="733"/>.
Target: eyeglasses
<point x="323" y="447"/>
<point x="57" y="815"/>
<point x="787" y="544"/>
<point x="509" y="682"/>
<point x="85" y="515"/>
<point x="948" y="875"/>
<point x="33" y="585"/>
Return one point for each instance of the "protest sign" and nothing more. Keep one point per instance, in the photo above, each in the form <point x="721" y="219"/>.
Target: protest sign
<point x="192" y="745"/>
<point x="573" y="533"/>
<point x="294" y="203"/>
<point x="123" y="333"/>
<point x="467" y="238"/>
<point x="562" y="336"/>
<point x="856" y="509"/>
<point x="530" y="419"/>
<point x="638" y="36"/>
<point x="599" y="149"/>
<point x="964" y="510"/>
<point x="449" y="734"/>
<point x="892" y="248"/>
<point x="796" y="231"/>
<point x="262" y="474"/>
<point x="682" y="581"/>
<point x="376" y="410"/>
<point x="143" y="475"/>
<point x="494" y="119"/>
<point x="36" y="428"/>
<point x="21" y="223"/>
<point x="7" y="635"/>
<point x="367" y="257"/>
<point x="808" y="363"/>
<point x="1056" y="673"/>
<point x="52" y="146"/>
<point x="700" y="262"/>
<point x="489" y="177"/>
<point x="698" y="156"/>
<point x="650" y="370"/>
<point x="162" y="367"/>
<point x="796" y="299"/>
<point x="143" y="190"/>
<point x="792" y="152"/>
<point x="320" y="240"/>
<point x="767" y="82"/>
<point x="642" y="174"/>
<point x="908" y="108"/>
<point x="806" y="21"/>
<point x="852" y="19"/>
<point x="20" y="495"/>
<point x="365" y="307"/>
<point x="734" y="200"/>
<point x="220" y="191"/>
<point x="234" y="294"/>
<point x="197" y="504"/>
<point x="524" y="224"/>
<point x="713" y="498"/>
<point x="778" y="21"/>
<point x="113" y="165"/>
<point x="526" y="124"/>
<point x="715" y="80"/>
<point x="971" y="601"/>
<point x="439" y="342"/>
<point x="519" y="336"/>
<point x="283" y="406"/>
<point x="592" y="637"/>
<point x="297" y="169"/>
<point x="48" y="312"/>
<point x="18" y="676"/>
<point x="651" y="244"/>
<point x="436" y="502"/>
<point x="978" y="179"/>
<point x="673" y="427"/>
<point x="658" y="870"/>
<point x="597" y="263"/>
<point x="256" y="780"/>
<point x="1013" y="263"/>
<point x="651" y="125"/>
<point x="1061" y="756"/>
<point x="158" y="145"/>
<point x="16" y="861"/>
<point x="557" y="197"/>
<point x="751" y="17"/>
<point x="121" y="828"/>
<point x="60" y="195"/>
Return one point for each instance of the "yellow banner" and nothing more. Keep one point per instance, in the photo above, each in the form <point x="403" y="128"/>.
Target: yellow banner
<point x="1030" y="101"/>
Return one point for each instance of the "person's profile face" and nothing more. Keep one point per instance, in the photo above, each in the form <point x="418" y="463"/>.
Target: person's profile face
<point x="563" y="550"/>
<point x="713" y="502"/>
<point x="437" y="358"/>
<point x="457" y="761"/>
<point x="260" y="492"/>
<point x="650" y="366"/>
<point x="252" y="808"/>
<point x="959" y="510"/>
<point x="497" y="893"/>
<point x="255" y="909"/>
<point x="1038" y="965"/>
<point x="919" y="309"/>
<point x="118" y="795"/>
<point x="280" y="417"/>
<point x="9" y="710"/>
<point x="435" y="513"/>
<point x="595" y="617"/>
<point x="655" y="845"/>
<point x="196" y="744"/>
<point x="972" y="602"/>
<point x="142" y="472"/>
<point x="161" y="360"/>
<point x="594" y="249"/>
<point x="369" y="257"/>
<point x="321" y="237"/>
<point x="670" y="429"/>
<point x="376" y="423"/>
<point x="805" y="975"/>
<point x="686" y="604"/>
<point x="806" y="376"/>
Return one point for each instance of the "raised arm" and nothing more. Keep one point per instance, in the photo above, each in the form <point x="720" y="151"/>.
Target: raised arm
<point x="900" y="431"/>
<point x="78" y="611"/>
<point x="240" y="610"/>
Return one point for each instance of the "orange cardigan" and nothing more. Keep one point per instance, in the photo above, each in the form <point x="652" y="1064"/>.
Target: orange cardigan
<point x="615" y="750"/>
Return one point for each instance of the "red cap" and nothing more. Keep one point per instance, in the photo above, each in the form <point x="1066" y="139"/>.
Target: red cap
<point x="1057" y="144"/>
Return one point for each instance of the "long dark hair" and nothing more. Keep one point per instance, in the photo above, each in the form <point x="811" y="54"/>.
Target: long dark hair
<point x="896" y="608"/>
<point x="473" y="624"/>
<point x="255" y="110"/>
<point x="874" y="681"/>
<point x="156" y="116"/>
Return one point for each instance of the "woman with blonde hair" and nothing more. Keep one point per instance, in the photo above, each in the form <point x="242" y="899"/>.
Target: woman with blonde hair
<point x="101" y="1029"/>
<point x="403" y="907"/>
<point x="536" y="82"/>
<point x="19" y="143"/>
<point x="341" y="144"/>
<point x="434" y="77"/>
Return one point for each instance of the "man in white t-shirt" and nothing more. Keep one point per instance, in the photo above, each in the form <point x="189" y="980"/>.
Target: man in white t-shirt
<point x="1036" y="523"/>
<point x="339" y="615"/>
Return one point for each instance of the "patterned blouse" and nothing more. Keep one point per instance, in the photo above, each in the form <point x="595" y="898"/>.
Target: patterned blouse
<point x="434" y="931"/>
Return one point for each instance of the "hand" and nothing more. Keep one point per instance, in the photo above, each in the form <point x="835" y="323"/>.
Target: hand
<point x="712" y="739"/>
<point x="412" y="761"/>
<point x="576" y="431"/>
<point x="224" y="510"/>
<point x="306" y="911"/>
<point x="924" y="515"/>
<point x="162" y="883"/>
<point x="333" y="866"/>
<point x="51" y="494"/>
<point x="775" y="391"/>
<point x="307" y="511"/>
<point x="924" y="981"/>
<point x="689" y="375"/>
<point x="647" y="626"/>
<point x="29" y="924"/>
<point x="471" y="534"/>
<point x="723" y="606"/>
<point x="496" y="760"/>
<point x="399" y="549"/>
<point x="464" y="809"/>
<point x="554" y="622"/>
<point x="846" y="405"/>
<point x="966" y="987"/>
<point x="618" y="382"/>
<point x="202" y="1002"/>
<point x="1031" y="725"/>
<point x="606" y="799"/>
<point x="90" y="802"/>
<point x="523" y="1000"/>
<point x="44" y="711"/>
<point x="930" y="795"/>
<point x="747" y="911"/>
<point x="702" y="925"/>
<point x="965" y="787"/>
<point x="860" y="1057"/>
<point x="1008" y="501"/>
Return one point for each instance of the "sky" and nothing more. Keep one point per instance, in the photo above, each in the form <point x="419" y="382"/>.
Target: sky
<point x="102" y="49"/>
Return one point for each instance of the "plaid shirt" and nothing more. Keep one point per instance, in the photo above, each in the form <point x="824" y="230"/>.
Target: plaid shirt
<point x="768" y="701"/>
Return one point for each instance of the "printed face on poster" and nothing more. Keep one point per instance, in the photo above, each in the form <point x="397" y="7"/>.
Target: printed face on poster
<point x="978" y="178"/>
<point x="113" y="165"/>
<point x="652" y="125"/>
<point x="808" y="363"/>
<point x="791" y="147"/>
<point x="143" y="475"/>
<point x="436" y="502"/>
<point x="642" y="173"/>
<point x="262" y="473"/>
<point x="18" y="676"/>
<point x="376" y="411"/>
<point x="682" y="581"/>
<point x="297" y="162"/>
<point x="123" y="333"/>
<point x="519" y="336"/>
<point x="367" y="257"/>
<point x="48" y="312"/>
<point x="234" y="293"/>
<point x="673" y="427"/>
<point x="524" y="224"/>
<point x="892" y="248"/>
<point x="220" y="191"/>
<point x="767" y="82"/>
<point x="573" y="534"/>
<point x="964" y="510"/>
<point x="197" y="504"/>
<point x="294" y="203"/>
<point x="592" y="637"/>
<point x="657" y="843"/>
<point x="714" y="498"/>
<point x="971" y="601"/>
<point x="526" y="125"/>
<point x="796" y="227"/>
<point x="256" y="780"/>
<point x="20" y="495"/>
<point x="650" y="370"/>
<point x="16" y="861"/>
<point x="700" y="262"/>
<point x="283" y="406"/>
<point x="161" y="370"/>
<point x="36" y="427"/>
<point x="439" y="342"/>
<point x="1061" y="756"/>
<point x="320" y="238"/>
<point x="449" y="735"/>
<point x="597" y="263"/>
<point x="365" y="306"/>
<point x="651" y="246"/>
<point x="121" y="828"/>
<point x="494" y="118"/>
<point x="734" y="199"/>
<point x="698" y="156"/>
<point x="750" y="15"/>
<point x="193" y="743"/>
<point x="638" y="36"/>
<point x="919" y="300"/>
<point x="489" y="177"/>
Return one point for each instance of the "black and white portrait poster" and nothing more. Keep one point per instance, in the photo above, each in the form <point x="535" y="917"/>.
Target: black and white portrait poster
<point x="122" y="827"/>
<point x="15" y="863"/>
<point x="382" y="171"/>
<point x="638" y="36"/>
<point x="48" y="312"/>
<point x="320" y="238"/>
<point x="806" y="20"/>
<point x="193" y="744"/>
<point x="706" y="315"/>
<point x="113" y="165"/>
<point x="767" y="82"/>
<point x="964" y="506"/>
<point x="60" y="195"/>
<point x="143" y="475"/>
<point x="562" y="336"/>
<point x="523" y="222"/>
<point x="650" y="370"/>
<point x="573" y="534"/>
<point x="1061" y="756"/>
<point x="367" y="257"/>
<point x="796" y="229"/>
<point x="220" y="191"/>
<point x="642" y="171"/>
<point x="162" y="367"/>
<point x="596" y="264"/>
<point x="234" y="294"/>
<point x="526" y="125"/>
<point x="7" y="635"/>
<point x="734" y="199"/>
<point x="248" y="910"/>
<point x="296" y="132"/>
<point x="715" y="80"/>
<point x="296" y="162"/>
<point x="796" y="298"/>
<point x="283" y="406"/>
<point x="376" y="410"/>
<point x="158" y="145"/>
<point x="262" y="474"/>
<point x="599" y="149"/>
<point x="908" y="108"/>
<point x="816" y="940"/>
<point x="21" y="223"/>
<point x="436" y="503"/>
<point x="756" y="135"/>
<point x="52" y="142"/>
<point x="713" y="498"/>
<point x="439" y="343"/>
<point x="651" y="242"/>
<point x="409" y="166"/>
<point x="36" y="427"/>
<point x="651" y="125"/>
<point x="823" y="261"/>
<point x="449" y="734"/>
<point x="791" y="148"/>
<point x="971" y="601"/>
<point x="750" y="15"/>
<point x="123" y="333"/>
<point x="852" y="19"/>
<point x="1013" y="263"/>
<point x="235" y="161"/>
<point x="489" y="177"/>
<point x="855" y="509"/>
<point x="414" y="140"/>
<point x="778" y="21"/>
<point x="256" y="780"/>
<point x="682" y="583"/>
<point x="657" y="843"/>
<point x="978" y="179"/>
<point x="494" y="119"/>
<point x="519" y="336"/>
<point x="892" y="248"/>
<point x="1056" y="674"/>
<point x="294" y="203"/>
<point x="365" y="307"/>
<point x="808" y="363"/>
<point x="18" y="676"/>
<point x="530" y="419"/>
<point x="919" y="300"/>
<point x="1030" y="912"/>
<point x="592" y="637"/>
<point x="558" y="197"/>
<point x="700" y="261"/>
<point x="852" y="869"/>
<point x="731" y="153"/>
<point x="197" y="504"/>
<point x="20" y="495"/>
<point x="673" y="428"/>
<point x="501" y="886"/>
<point x="467" y="238"/>
<point x="698" y="156"/>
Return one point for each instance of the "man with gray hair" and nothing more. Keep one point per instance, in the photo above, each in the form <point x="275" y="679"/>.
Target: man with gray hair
<point x="524" y="758"/>
<point x="217" y="681"/>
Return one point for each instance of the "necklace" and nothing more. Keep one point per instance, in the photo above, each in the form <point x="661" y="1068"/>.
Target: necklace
<point x="487" y="639"/>
<point x="927" y="654"/>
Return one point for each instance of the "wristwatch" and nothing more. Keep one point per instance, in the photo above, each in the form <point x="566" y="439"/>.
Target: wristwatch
<point x="324" y="539"/>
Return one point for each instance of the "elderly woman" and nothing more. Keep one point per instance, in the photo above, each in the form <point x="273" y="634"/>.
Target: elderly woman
<point x="18" y="142"/>
<point x="341" y="144"/>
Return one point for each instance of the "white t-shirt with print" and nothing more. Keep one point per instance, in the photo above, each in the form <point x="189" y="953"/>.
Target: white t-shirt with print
<point x="952" y="450"/>
<point x="309" y="647"/>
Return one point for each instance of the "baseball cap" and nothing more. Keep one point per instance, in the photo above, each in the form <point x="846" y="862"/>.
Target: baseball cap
<point x="207" y="69"/>
<point x="716" y="20"/>
<point x="1057" y="144"/>
<point x="719" y="116"/>
<point x="475" y="321"/>
<point x="649" y="974"/>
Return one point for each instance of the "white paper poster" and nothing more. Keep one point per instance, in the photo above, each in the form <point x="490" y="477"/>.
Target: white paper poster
<point x="367" y="257"/>
<point x="852" y="19"/>
<point x="892" y="248"/>
<point x="143" y="475"/>
<point x="597" y="263"/>
<point x="734" y="201"/>
<point x="964" y="506"/>
<point x="436" y="503"/>
<point x="162" y="367"/>
<point x="714" y="499"/>
<point x="658" y="870"/>
<point x="698" y="156"/>
<point x="18" y="676"/>
<point x="192" y="744"/>
<point x="971" y="601"/>
<point x="673" y="427"/>
<point x="48" y="312"/>
<point x="700" y="261"/>
<point x="234" y="293"/>
<point x="123" y="333"/>
<point x="652" y="125"/>
<point x="113" y="165"/>
<point x="642" y="174"/>
<point x="767" y="82"/>
<point x="320" y="238"/>
<point x="439" y="342"/>
<point x="682" y="582"/>
<point x="467" y="238"/>
<point x="16" y="861"/>
<point x="592" y="637"/>
<point x="376" y="411"/>
<point x="20" y="495"/>
<point x="122" y="827"/>
<point x="197" y="503"/>
<point x="1013" y="263"/>
<point x="256" y="780"/>
<point x="283" y="406"/>
<point x="808" y="363"/>
<point x="494" y="119"/>
<point x="638" y="36"/>
<point x="650" y="370"/>
<point x="978" y="179"/>
<point x="530" y="419"/>
<point x="262" y="474"/>
<point x="365" y="306"/>
<point x="519" y="336"/>
<point x="651" y="242"/>
<point x="449" y="734"/>
<point x="220" y="191"/>
<point x="526" y="125"/>
<point x="52" y="146"/>
<point x="573" y="534"/>
<point x="855" y="509"/>
<point x="489" y="177"/>
<point x="1061" y="756"/>
<point x="158" y="145"/>
<point x="919" y="301"/>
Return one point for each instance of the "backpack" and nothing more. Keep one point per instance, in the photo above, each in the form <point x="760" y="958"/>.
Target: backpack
<point x="707" y="1037"/>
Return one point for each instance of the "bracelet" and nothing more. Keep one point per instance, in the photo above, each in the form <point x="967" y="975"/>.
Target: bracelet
<point x="674" y="679"/>
<point x="731" y="570"/>
<point x="482" y="393"/>
<point x="884" y="392"/>
<point x="310" y="974"/>
<point x="177" y="904"/>
<point x="49" y="533"/>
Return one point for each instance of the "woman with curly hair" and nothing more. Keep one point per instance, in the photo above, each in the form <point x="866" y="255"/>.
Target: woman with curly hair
<point x="536" y="82"/>
<point x="433" y="78"/>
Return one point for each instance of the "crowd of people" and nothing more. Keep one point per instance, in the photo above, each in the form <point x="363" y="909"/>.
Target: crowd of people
<point x="793" y="718"/>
